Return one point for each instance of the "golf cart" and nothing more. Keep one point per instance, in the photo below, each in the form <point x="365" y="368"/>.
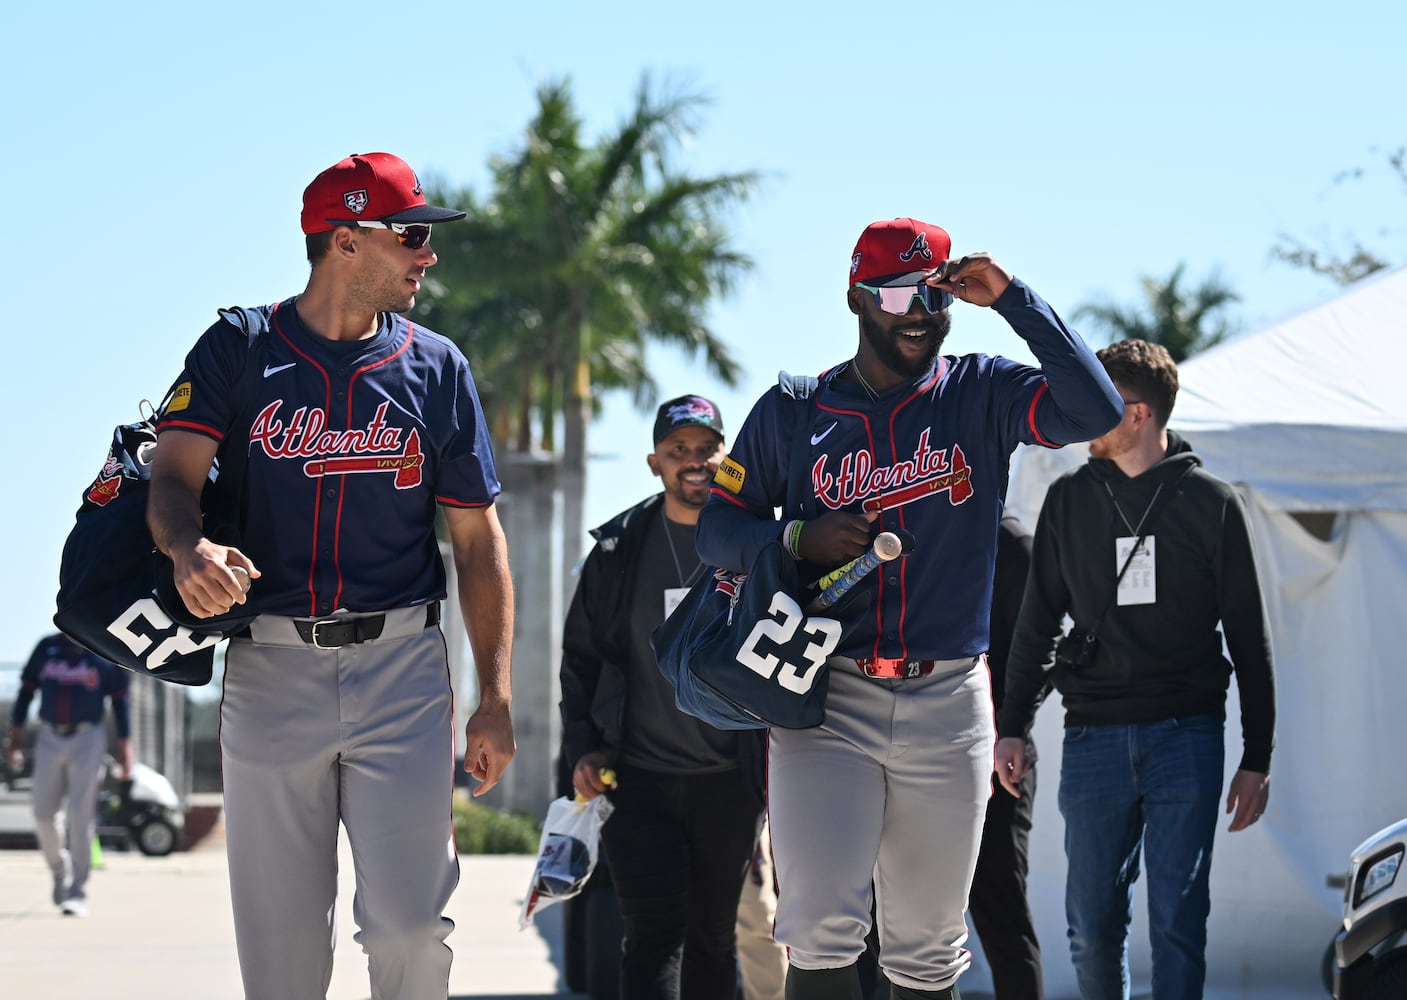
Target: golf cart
<point x="1370" y="952"/>
<point x="143" y="809"/>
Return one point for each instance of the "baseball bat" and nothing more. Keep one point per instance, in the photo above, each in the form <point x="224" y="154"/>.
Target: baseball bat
<point x="836" y="584"/>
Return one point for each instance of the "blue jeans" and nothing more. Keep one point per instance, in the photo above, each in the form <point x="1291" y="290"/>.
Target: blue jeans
<point x="1156" y="788"/>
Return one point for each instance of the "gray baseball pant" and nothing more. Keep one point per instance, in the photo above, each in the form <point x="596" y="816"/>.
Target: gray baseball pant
<point x="361" y="734"/>
<point x="890" y="792"/>
<point x="67" y="771"/>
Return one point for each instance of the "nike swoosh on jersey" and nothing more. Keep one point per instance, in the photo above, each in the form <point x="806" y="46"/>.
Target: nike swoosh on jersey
<point x="818" y="438"/>
<point x="275" y="369"/>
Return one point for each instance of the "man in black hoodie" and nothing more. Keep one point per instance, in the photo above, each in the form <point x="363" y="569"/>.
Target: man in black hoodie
<point x="1147" y="553"/>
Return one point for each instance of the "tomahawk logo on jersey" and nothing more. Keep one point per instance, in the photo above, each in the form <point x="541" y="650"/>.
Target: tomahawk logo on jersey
<point x="858" y="476"/>
<point x="359" y="450"/>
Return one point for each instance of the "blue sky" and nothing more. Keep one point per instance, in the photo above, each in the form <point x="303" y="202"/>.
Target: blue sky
<point x="155" y="156"/>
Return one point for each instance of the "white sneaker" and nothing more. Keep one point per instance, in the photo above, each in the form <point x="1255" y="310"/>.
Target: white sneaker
<point x="75" y="906"/>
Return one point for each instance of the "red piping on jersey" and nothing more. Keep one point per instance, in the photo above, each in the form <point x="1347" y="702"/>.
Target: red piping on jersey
<point x="719" y="491"/>
<point x="903" y="564"/>
<point x="190" y="425"/>
<point x="317" y="494"/>
<point x="939" y="371"/>
<point x="465" y="504"/>
<point x="1031" y="416"/>
<point x="869" y="438"/>
<point x="342" y="487"/>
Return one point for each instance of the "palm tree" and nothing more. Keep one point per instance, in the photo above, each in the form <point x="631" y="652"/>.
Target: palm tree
<point x="1181" y="320"/>
<point x="582" y="255"/>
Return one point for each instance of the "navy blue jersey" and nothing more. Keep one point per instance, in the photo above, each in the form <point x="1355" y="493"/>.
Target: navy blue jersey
<point x="351" y="446"/>
<point x="72" y="684"/>
<point x="929" y="456"/>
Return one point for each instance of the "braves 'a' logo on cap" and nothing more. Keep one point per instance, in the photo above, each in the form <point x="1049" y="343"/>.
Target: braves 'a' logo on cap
<point x="355" y="201"/>
<point x="415" y="191"/>
<point x="920" y="247"/>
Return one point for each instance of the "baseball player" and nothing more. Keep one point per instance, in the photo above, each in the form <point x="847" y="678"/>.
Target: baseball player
<point x="68" y="755"/>
<point x="337" y="703"/>
<point x="890" y="790"/>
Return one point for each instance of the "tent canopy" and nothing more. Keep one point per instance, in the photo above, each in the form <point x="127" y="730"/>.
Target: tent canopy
<point x="1311" y="411"/>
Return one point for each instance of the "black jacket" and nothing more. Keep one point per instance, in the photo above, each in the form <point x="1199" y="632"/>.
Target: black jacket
<point x="1154" y="661"/>
<point x="1008" y="585"/>
<point x="596" y="643"/>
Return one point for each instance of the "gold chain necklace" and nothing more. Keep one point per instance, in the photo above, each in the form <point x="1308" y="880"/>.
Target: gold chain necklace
<point x="864" y="382"/>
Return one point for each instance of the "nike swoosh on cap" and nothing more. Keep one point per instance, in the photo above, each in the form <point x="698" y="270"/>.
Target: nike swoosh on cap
<point x="818" y="438"/>
<point x="275" y="369"/>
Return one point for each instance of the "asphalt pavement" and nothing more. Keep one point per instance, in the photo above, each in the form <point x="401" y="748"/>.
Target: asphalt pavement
<point x="160" y="929"/>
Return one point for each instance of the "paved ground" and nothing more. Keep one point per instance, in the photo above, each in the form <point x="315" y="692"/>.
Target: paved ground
<point x="160" y="929"/>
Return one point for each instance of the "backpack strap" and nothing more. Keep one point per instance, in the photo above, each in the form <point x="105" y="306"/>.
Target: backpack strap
<point x="232" y="461"/>
<point x="800" y="502"/>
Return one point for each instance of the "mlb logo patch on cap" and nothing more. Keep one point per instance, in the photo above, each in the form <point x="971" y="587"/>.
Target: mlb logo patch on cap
<point x="376" y="187"/>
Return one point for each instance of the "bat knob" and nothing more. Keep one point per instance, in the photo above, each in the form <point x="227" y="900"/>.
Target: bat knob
<point x="888" y="545"/>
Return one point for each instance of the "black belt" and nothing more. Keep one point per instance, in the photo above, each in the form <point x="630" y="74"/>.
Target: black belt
<point x="65" y="730"/>
<point x="331" y="633"/>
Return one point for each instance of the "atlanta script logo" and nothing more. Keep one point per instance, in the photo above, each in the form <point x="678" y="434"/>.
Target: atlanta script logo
<point x="377" y="447"/>
<point x="860" y="478"/>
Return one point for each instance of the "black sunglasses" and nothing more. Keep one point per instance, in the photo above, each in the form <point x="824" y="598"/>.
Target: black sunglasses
<point x="412" y="235"/>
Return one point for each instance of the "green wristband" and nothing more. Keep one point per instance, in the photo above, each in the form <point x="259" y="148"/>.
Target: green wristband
<point x="792" y="534"/>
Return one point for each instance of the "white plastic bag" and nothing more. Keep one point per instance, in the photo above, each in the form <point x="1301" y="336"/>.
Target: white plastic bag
<point x="566" y="854"/>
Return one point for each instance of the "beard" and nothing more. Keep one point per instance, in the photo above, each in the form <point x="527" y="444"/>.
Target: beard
<point x="690" y="496"/>
<point x="886" y="343"/>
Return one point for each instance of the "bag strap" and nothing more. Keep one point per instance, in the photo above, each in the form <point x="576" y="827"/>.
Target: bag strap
<point x="800" y="389"/>
<point x="233" y="454"/>
<point x="254" y="323"/>
<point x="1158" y="504"/>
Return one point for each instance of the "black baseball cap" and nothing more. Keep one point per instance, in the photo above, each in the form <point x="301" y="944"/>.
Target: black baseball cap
<point x="686" y="411"/>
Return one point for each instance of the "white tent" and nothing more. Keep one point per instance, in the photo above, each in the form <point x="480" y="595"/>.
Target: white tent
<point x="1309" y="419"/>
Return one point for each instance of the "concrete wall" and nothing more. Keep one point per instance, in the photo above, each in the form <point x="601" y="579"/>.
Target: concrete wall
<point x="530" y="509"/>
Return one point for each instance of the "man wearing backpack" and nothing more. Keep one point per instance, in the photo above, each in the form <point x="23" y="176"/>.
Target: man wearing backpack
<point x="337" y="704"/>
<point x="886" y="797"/>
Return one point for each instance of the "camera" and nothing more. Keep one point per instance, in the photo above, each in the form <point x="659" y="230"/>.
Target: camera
<point x="1076" y="649"/>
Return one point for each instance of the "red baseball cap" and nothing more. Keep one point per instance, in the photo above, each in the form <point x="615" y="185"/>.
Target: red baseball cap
<point x="898" y="252"/>
<point x="376" y="187"/>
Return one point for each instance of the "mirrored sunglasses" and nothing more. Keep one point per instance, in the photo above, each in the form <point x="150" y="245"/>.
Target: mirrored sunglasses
<point x="412" y="235"/>
<point x="900" y="298"/>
